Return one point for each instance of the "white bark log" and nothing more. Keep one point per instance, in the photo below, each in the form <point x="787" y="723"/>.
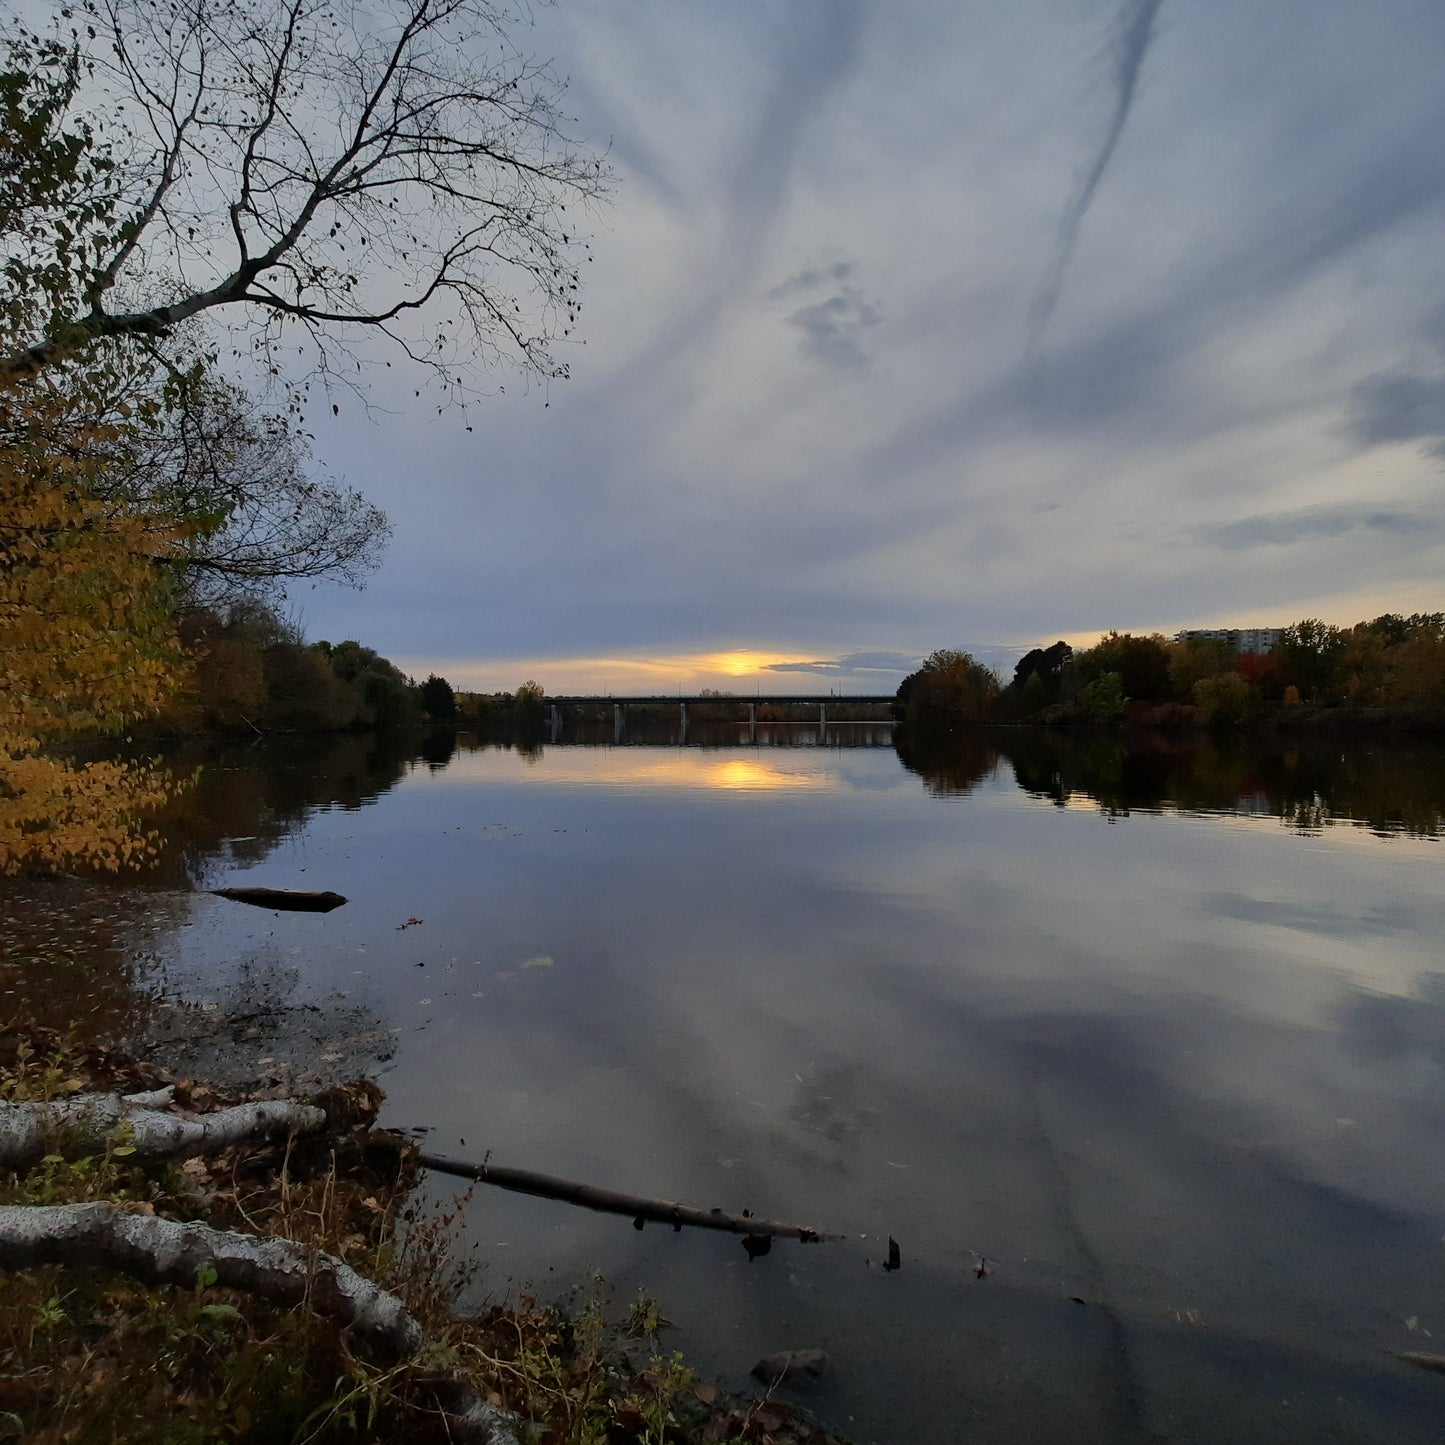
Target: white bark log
<point x="164" y="1251"/>
<point x="79" y="1126"/>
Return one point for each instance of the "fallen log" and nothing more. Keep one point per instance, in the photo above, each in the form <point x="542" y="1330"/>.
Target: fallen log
<point x="1423" y="1360"/>
<point x="160" y="1251"/>
<point x="639" y="1208"/>
<point x="85" y="1124"/>
<point x="294" y="900"/>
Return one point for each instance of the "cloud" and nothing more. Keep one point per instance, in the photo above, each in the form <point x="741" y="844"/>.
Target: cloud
<point x="1251" y="317"/>
<point x="811" y="278"/>
<point x="1284" y="529"/>
<point x="1133" y="34"/>
<point x="1400" y="407"/>
<point x="831" y="325"/>
<point x="811" y="51"/>
<point x="892" y="662"/>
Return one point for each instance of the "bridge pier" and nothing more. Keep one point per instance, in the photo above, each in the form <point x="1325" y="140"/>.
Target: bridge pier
<point x="822" y="722"/>
<point x="556" y="722"/>
<point x="683" y="707"/>
<point x="752" y="722"/>
<point x="617" y="724"/>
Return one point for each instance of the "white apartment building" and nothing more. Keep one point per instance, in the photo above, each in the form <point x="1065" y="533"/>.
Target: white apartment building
<point x="1241" y="639"/>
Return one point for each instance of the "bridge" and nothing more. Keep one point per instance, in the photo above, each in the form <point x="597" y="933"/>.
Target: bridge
<point x="620" y="704"/>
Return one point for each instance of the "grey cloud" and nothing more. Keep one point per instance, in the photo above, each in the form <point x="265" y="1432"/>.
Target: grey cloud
<point x="1134" y="31"/>
<point x="1125" y="376"/>
<point x="853" y="662"/>
<point x="817" y="49"/>
<point x="811" y="278"/>
<point x="836" y="316"/>
<point x="832" y="328"/>
<point x="1282" y="529"/>
<point x="1400" y="408"/>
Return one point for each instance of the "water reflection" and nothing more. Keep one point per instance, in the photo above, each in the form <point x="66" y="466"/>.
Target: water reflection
<point x="1186" y="1071"/>
<point x="1310" y="786"/>
<point x="95" y="951"/>
<point x="247" y="798"/>
<point x="678" y="769"/>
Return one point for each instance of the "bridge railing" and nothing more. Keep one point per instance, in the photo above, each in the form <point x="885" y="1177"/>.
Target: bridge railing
<point x="620" y="704"/>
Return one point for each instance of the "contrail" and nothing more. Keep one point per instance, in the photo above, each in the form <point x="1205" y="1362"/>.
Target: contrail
<point x="1133" y="33"/>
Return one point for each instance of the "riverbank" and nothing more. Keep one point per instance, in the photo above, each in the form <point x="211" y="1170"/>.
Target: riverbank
<point x="101" y="1353"/>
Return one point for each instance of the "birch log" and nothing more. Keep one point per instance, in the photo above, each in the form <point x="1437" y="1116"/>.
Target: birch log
<point x="166" y="1252"/>
<point x="79" y="1126"/>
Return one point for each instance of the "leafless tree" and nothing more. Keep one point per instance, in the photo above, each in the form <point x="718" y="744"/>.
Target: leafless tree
<point x="327" y="167"/>
<point x="258" y="510"/>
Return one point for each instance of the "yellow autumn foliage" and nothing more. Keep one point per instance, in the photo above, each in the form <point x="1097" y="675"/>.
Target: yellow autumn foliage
<point x="86" y="640"/>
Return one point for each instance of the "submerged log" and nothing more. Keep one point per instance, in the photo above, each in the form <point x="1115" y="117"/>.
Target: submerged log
<point x="637" y="1207"/>
<point x="161" y="1251"/>
<point x="1423" y="1360"/>
<point x="295" y="900"/>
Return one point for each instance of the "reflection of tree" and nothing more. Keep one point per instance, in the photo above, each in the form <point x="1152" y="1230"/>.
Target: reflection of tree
<point x="1391" y="789"/>
<point x="86" y="951"/>
<point x="248" y="797"/>
<point x="948" y="765"/>
<point x="437" y="747"/>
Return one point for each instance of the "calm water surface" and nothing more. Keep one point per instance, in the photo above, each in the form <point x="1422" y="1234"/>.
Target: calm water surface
<point x="1160" y="1037"/>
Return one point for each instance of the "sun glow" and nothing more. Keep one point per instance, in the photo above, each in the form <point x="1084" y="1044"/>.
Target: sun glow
<point x="743" y="662"/>
<point x="683" y="671"/>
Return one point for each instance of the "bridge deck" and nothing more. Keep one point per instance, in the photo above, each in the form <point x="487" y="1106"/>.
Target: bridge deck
<point x="812" y="699"/>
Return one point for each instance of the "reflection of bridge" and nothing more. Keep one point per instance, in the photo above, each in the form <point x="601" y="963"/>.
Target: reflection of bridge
<point x="822" y="701"/>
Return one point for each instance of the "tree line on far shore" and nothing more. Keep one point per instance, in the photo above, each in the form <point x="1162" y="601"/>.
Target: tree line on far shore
<point x="246" y="668"/>
<point x="1391" y="668"/>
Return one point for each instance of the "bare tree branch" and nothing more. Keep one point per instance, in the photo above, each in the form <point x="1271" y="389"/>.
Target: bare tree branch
<point x="325" y="164"/>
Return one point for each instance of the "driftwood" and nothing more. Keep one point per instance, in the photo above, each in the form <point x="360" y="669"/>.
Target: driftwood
<point x="294" y="900"/>
<point x="1424" y="1361"/>
<point x="165" y="1252"/>
<point x="637" y="1207"/>
<point x="79" y="1126"/>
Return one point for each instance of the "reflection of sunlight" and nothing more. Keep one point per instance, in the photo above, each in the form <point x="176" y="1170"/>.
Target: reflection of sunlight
<point x="748" y="773"/>
<point x="652" y="768"/>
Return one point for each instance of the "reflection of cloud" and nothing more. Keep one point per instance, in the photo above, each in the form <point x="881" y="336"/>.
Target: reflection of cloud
<point x="1400" y="408"/>
<point x="1325" y="919"/>
<point x="1281" y="529"/>
<point x="832" y="325"/>
<point x="1386" y="1031"/>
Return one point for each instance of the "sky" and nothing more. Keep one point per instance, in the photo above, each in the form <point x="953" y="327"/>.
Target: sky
<point x="941" y="323"/>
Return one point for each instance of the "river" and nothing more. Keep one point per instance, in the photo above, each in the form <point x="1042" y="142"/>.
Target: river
<point x="1138" y="1055"/>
